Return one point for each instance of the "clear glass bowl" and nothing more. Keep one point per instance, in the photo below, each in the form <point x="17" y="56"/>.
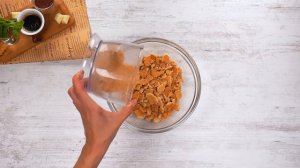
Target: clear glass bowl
<point x="191" y="86"/>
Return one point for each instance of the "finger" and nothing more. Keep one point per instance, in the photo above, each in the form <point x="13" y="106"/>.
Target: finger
<point x="73" y="95"/>
<point x="85" y="81"/>
<point x="77" y="80"/>
<point x="79" y="85"/>
<point x="126" y="110"/>
<point x="76" y="102"/>
<point x="81" y="94"/>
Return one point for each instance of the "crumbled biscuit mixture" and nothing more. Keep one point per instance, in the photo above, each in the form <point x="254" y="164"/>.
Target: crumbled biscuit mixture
<point x="158" y="89"/>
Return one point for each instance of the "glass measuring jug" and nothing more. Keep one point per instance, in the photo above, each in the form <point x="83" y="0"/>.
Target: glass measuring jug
<point x="112" y="69"/>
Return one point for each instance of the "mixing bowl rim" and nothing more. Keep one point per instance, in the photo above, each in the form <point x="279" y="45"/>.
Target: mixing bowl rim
<point x="196" y="74"/>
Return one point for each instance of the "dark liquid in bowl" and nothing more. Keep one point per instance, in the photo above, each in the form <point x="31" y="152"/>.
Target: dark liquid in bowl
<point x="43" y="3"/>
<point x="32" y="23"/>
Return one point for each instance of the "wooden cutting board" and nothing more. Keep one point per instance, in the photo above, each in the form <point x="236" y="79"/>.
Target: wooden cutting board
<point x="8" y="52"/>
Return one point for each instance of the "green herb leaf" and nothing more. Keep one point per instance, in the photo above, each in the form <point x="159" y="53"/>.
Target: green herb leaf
<point x="1" y="30"/>
<point x="4" y="31"/>
<point x="10" y="25"/>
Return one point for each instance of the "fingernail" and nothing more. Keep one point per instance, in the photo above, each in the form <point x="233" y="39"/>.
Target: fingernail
<point x="79" y="74"/>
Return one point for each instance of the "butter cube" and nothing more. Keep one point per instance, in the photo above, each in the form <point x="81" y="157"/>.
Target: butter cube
<point x="14" y="15"/>
<point x="59" y="17"/>
<point x="65" y="19"/>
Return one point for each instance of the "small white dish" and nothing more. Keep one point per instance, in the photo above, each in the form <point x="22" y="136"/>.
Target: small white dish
<point x="23" y="14"/>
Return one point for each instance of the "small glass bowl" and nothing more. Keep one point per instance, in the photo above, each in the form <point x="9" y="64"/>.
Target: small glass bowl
<point x="10" y="40"/>
<point x="191" y="86"/>
<point x="45" y="9"/>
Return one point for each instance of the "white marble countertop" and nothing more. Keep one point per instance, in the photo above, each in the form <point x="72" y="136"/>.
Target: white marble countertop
<point x="248" y="54"/>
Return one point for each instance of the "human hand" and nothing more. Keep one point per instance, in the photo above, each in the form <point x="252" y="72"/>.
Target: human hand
<point x="100" y="125"/>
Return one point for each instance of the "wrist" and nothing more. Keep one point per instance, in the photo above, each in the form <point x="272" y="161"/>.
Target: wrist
<point x="94" y="151"/>
<point x="90" y="156"/>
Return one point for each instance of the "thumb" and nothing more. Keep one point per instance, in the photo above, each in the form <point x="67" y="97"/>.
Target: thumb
<point x="126" y="110"/>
